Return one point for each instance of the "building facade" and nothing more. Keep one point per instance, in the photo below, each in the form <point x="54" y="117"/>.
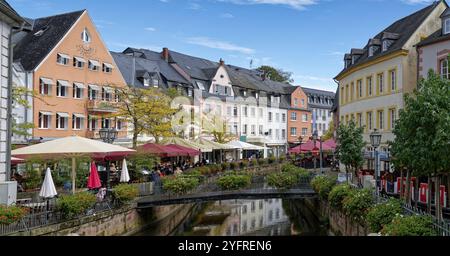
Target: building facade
<point x="66" y="64"/>
<point x="247" y="105"/>
<point x="9" y="19"/>
<point x="320" y="103"/>
<point x="375" y="79"/>
<point x="299" y="117"/>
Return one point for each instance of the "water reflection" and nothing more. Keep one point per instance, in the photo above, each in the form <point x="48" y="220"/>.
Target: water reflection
<point x="265" y="217"/>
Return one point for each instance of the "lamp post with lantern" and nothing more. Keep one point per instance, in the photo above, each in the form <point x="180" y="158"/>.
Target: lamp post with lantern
<point x="375" y="140"/>
<point x="108" y="135"/>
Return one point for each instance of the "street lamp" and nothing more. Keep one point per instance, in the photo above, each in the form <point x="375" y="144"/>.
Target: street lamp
<point x="108" y="136"/>
<point x="375" y="140"/>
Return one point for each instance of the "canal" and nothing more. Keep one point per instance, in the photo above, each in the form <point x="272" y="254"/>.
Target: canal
<point x="265" y="217"/>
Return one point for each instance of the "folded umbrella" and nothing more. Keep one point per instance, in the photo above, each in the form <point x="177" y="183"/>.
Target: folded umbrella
<point x="48" y="189"/>
<point x="124" y="175"/>
<point x="94" y="180"/>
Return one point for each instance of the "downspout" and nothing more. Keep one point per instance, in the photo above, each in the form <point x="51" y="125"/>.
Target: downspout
<point x="9" y="104"/>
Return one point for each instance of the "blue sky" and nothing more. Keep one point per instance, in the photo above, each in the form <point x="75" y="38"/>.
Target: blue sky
<point x="305" y="37"/>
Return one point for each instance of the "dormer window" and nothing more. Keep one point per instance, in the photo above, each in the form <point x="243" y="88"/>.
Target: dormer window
<point x="85" y="36"/>
<point x="155" y="82"/>
<point x="385" y="45"/>
<point x="354" y="59"/>
<point x="447" y="26"/>
<point x="146" y="82"/>
<point x="371" y="51"/>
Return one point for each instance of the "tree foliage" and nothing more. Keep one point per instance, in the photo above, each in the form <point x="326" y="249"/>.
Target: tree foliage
<point x="422" y="130"/>
<point x="277" y="75"/>
<point x="350" y="145"/>
<point x="148" y="111"/>
<point x="330" y="132"/>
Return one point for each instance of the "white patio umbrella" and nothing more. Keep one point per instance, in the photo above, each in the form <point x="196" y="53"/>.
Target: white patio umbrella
<point x="124" y="175"/>
<point x="48" y="189"/>
<point x="73" y="146"/>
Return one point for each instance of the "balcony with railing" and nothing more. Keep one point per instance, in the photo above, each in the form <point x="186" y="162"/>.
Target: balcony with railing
<point x="102" y="106"/>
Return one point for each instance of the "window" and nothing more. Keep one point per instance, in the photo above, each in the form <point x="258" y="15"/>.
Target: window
<point x="119" y="124"/>
<point x="277" y="134"/>
<point x="94" y="65"/>
<point x="107" y="68"/>
<point x="295" y="102"/>
<point x="371" y="51"/>
<point x="270" y="133"/>
<point x="45" y="86"/>
<point x="359" y="119"/>
<point x="245" y="110"/>
<point x="62" y="59"/>
<point x="270" y="117"/>
<point x="244" y="130"/>
<point x="304" y="118"/>
<point x="78" y="89"/>
<point x="283" y="118"/>
<point x="369" y="121"/>
<point x="253" y="112"/>
<point x="61" y="88"/>
<point x="283" y="134"/>
<point x="106" y="123"/>
<point x="352" y="93"/>
<point x="45" y="120"/>
<point x="393" y="79"/>
<point x="360" y="89"/>
<point x="303" y="102"/>
<point x="146" y="82"/>
<point x="447" y="26"/>
<point x="200" y="85"/>
<point x="261" y="205"/>
<point x="385" y="45"/>
<point x="445" y="69"/>
<point x="293" y="131"/>
<point x="93" y="92"/>
<point x="190" y="92"/>
<point x="381" y="83"/>
<point x="347" y="92"/>
<point x="92" y="123"/>
<point x="320" y="127"/>
<point x="107" y="94"/>
<point x="61" y="121"/>
<point x="253" y="207"/>
<point x="381" y="120"/>
<point x="392" y="118"/>
<point x="244" y="209"/>
<point x="261" y="113"/>
<point x="77" y="121"/>
<point x="229" y="110"/>
<point x="253" y="129"/>
<point x="235" y="111"/>
<point x="85" y="36"/>
<point x="293" y="116"/>
<point x="78" y="62"/>
<point x="304" y="131"/>
<point x="277" y="117"/>
<point x="261" y="130"/>
<point x="369" y="86"/>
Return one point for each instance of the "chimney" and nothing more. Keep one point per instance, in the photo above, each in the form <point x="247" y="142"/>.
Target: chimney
<point x="221" y="62"/>
<point x="165" y="54"/>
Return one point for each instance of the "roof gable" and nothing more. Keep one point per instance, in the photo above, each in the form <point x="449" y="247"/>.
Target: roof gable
<point x="45" y="35"/>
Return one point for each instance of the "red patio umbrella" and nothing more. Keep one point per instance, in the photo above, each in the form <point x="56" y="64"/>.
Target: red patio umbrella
<point x="309" y="146"/>
<point x="183" y="151"/>
<point x="94" y="180"/>
<point x="155" y="149"/>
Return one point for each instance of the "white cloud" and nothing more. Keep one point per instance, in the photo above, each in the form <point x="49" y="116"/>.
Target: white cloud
<point x="336" y="53"/>
<point x="221" y="45"/>
<point x="296" y="4"/>
<point x="150" y="29"/>
<point x="227" y="15"/>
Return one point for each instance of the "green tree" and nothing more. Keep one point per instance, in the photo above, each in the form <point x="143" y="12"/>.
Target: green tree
<point x="422" y="132"/>
<point x="277" y="75"/>
<point x="350" y="146"/>
<point x="330" y="132"/>
<point x="148" y="111"/>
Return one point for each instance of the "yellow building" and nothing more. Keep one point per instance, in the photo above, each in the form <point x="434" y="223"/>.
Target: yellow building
<point x="375" y="78"/>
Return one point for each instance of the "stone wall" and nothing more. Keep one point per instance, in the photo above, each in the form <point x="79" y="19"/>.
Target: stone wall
<point x="340" y="223"/>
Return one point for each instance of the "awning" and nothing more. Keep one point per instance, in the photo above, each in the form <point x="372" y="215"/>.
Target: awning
<point x="79" y="85"/>
<point x="63" y="83"/>
<point x="79" y="115"/>
<point x="63" y="114"/>
<point x="94" y="87"/>
<point x="64" y="55"/>
<point x="108" y="89"/>
<point x="80" y="59"/>
<point x="187" y="143"/>
<point x="108" y="65"/>
<point x="46" y="113"/>
<point x="95" y="63"/>
<point x="47" y="81"/>
<point x="244" y="145"/>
